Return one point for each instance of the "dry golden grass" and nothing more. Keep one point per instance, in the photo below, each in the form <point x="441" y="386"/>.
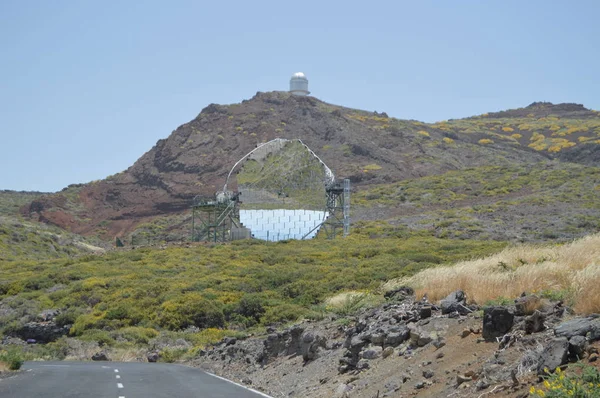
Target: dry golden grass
<point x="349" y="302"/>
<point x="3" y="367"/>
<point x="574" y="267"/>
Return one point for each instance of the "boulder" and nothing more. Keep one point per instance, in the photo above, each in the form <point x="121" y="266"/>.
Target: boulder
<point x="575" y="327"/>
<point x="497" y="321"/>
<point x="100" y="356"/>
<point x="425" y="312"/>
<point x="526" y="305"/>
<point x="420" y="338"/>
<point x="377" y="338"/>
<point x="394" y="339"/>
<point x="388" y="351"/>
<point x="555" y="354"/>
<point x="577" y="346"/>
<point x="311" y="343"/>
<point x="352" y="354"/>
<point x="372" y="353"/>
<point x="594" y="333"/>
<point x="152" y="357"/>
<point x="535" y="322"/>
<point x="455" y="302"/>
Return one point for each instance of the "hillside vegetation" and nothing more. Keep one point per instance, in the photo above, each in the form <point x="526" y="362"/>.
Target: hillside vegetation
<point x="570" y="272"/>
<point x="22" y="239"/>
<point x="539" y="202"/>
<point x="124" y="298"/>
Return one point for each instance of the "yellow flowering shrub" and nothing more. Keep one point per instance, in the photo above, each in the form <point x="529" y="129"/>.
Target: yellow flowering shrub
<point x="371" y="167"/>
<point x="558" y="385"/>
<point x="485" y="141"/>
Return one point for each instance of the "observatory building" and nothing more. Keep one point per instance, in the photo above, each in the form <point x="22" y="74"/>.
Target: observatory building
<point x="299" y="84"/>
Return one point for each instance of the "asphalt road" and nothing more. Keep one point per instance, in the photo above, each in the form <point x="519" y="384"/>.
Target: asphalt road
<point x="117" y="380"/>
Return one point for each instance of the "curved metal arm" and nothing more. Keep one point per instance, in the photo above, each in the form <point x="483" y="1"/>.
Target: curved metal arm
<point x="328" y="173"/>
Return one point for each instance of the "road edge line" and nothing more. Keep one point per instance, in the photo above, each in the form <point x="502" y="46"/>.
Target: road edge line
<point x="239" y="385"/>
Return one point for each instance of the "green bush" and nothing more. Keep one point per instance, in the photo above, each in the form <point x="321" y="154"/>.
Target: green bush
<point x="171" y="355"/>
<point x="101" y="337"/>
<point x="584" y="383"/>
<point x="251" y="306"/>
<point x="137" y="335"/>
<point x="191" y="309"/>
<point x="68" y="317"/>
<point x="12" y="358"/>
<point x="283" y="313"/>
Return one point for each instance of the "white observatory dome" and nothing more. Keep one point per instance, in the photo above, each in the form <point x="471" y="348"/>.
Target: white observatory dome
<point x="299" y="84"/>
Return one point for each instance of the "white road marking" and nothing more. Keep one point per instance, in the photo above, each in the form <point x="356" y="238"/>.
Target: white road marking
<point x="120" y="396"/>
<point x="240" y="385"/>
<point x="116" y="370"/>
<point x="105" y="367"/>
<point x="118" y="377"/>
<point x="119" y="385"/>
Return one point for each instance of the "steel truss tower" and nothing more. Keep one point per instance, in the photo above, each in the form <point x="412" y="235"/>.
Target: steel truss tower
<point x="213" y="220"/>
<point x="338" y="206"/>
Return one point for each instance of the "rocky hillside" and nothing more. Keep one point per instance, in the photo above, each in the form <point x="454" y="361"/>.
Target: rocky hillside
<point x="22" y="240"/>
<point x="408" y="348"/>
<point x="367" y="147"/>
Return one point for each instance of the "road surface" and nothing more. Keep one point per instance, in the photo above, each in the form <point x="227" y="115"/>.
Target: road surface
<point x="117" y="380"/>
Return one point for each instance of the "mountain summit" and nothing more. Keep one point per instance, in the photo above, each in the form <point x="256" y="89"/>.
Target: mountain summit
<point x="366" y="147"/>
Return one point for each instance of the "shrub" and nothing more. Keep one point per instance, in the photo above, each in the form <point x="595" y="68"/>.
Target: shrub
<point x="191" y="309"/>
<point x="349" y="303"/>
<point x="171" y="355"/>
<point x="99" y="336"/>
<point x="251" y="306"/>
<point x="68" y="317"/>
<point x="137" y="335"/>
<point x="584" y="384"/>
<point x="372" y="167"/>
<point x="485" y="141"/>
<point x="12" y="358"/>
<point x="283" y="313"/>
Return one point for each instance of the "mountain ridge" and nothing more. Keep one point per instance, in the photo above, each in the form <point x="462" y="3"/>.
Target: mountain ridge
<point x="366" y="147"/>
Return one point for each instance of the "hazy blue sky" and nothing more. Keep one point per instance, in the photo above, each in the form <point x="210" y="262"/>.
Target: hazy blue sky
<point x="86" y="87"/>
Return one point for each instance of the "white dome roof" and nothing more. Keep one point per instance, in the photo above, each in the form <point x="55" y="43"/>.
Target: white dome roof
<point x="298" y="75"/>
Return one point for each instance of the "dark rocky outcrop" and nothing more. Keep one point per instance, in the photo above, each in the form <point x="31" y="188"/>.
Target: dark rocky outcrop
<point x="555" y="354"/>
<point x="497" y="321"/>
<point x="41" y="332"/>
<point x="455" y="302"/>
<point x="578" y="327"/>
<point x="100" y="356"/>
<point x="535" y="322"/>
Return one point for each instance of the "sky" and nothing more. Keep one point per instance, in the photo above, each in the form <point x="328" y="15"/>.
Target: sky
<point x="87" y="87"/>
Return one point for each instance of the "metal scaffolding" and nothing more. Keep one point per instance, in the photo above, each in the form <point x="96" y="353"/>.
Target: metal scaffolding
<point x="213" y="219"/>
<point x="338" y="207"/>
